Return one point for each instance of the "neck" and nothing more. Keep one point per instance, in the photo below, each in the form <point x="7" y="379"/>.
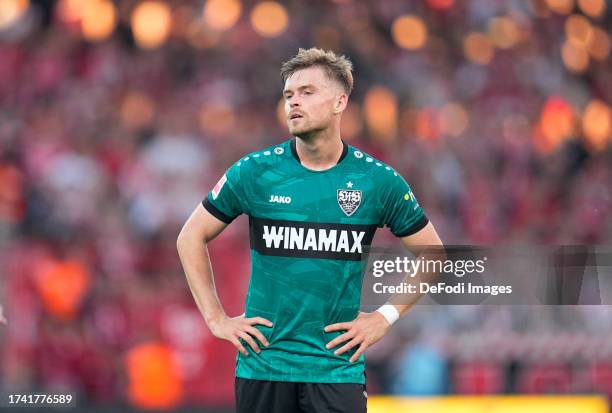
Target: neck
<point x="319" y="152"/>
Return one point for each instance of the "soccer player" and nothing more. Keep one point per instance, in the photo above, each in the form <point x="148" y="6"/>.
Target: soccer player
<point x="313" y="203"/>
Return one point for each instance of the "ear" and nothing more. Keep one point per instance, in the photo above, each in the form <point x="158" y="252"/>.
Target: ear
<point x="340" y="104"/>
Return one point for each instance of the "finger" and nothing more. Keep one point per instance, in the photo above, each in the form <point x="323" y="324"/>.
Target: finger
<point x="348" y="346"/>
<point x="358" y="353"/>
<point x="259" y="320"/>
<point x="239" y="346"/>
<point x="340" y="339"/>
<point x="249" y="341"/>
<point x="338" y="327"/>
<point x="255" y="332"/>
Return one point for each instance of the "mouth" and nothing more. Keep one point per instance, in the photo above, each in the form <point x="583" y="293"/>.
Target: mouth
<point x="295" y="116"/>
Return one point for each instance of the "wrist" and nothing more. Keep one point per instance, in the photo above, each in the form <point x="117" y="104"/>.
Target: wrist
<point x="389" y="312"/>
<point x="213" y="322"/>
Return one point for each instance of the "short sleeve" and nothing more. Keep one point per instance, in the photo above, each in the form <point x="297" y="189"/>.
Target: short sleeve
<point x="225" y="200"/>
<point x="402" y="213"/>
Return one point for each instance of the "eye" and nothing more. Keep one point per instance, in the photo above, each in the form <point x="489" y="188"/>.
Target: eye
<point x="308" y="92"/>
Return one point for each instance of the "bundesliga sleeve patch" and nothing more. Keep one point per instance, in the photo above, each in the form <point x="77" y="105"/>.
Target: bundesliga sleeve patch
<point x="218" y="186"/>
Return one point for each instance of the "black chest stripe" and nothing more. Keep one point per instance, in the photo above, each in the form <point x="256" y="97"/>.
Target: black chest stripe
<point x="310" y="239"/>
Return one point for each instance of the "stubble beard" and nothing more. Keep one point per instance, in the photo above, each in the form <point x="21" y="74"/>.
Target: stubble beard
<point x="306" y="133"/>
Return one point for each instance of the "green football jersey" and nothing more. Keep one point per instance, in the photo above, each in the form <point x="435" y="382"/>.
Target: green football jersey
<point x="308" y="230"/>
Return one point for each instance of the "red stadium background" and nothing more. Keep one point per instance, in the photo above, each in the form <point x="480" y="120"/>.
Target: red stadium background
<point x="116" y="118"/>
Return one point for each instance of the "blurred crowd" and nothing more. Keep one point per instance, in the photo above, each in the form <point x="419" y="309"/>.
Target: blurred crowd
<point x="106" y="146"/>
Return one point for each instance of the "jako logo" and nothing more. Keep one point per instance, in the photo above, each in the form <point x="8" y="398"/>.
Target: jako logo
<point x="280" y="199"/>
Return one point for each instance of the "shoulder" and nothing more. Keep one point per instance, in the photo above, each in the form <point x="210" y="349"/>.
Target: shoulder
<point x="265" y="158"/>
<point x="375" y="168"/>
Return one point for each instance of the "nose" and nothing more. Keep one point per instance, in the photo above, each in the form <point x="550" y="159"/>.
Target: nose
<point x="293" y="102"/>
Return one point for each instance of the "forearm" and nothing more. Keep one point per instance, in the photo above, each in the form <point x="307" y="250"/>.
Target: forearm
<point x="194" y="257"/>
<point x="403" y="302"/>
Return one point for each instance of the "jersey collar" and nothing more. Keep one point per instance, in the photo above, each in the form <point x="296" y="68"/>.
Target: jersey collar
<point x="342" y="156"/>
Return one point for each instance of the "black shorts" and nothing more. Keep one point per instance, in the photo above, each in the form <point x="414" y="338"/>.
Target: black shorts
<point x="260" y="396"/>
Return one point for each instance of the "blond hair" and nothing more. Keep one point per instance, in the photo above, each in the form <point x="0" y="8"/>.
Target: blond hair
<point x="338" y="68"/>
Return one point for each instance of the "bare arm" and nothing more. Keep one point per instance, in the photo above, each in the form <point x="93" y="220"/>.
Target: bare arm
<point x="192" y="244"/>
<point x="425" y="238"/>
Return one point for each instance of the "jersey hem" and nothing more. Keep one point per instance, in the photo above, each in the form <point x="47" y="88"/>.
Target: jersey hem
<point x="301" y="379"/>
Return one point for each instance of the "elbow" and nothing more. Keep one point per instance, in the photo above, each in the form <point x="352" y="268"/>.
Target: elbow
<point x="182" y="239"/>
<point x="186" y="238"/>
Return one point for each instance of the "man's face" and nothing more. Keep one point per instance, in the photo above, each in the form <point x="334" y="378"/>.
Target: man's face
<point x="311" y="101"/>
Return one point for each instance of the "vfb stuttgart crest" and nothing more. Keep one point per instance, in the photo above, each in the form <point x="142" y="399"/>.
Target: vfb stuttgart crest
<point x="349" y="200"/>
